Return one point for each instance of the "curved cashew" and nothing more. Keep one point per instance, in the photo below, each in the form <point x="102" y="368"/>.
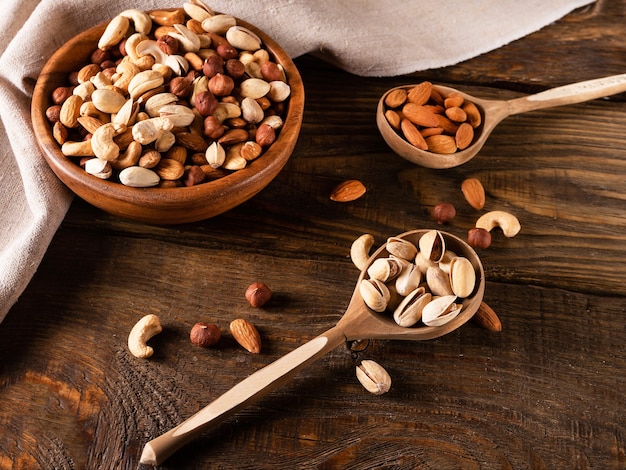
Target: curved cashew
<point x="129" y="158"/>
<point x="134" y="51"/>
<point x="141" y="20"/>
<point x="114" y="32"/>
<point x="506" y="221"/>
<point x="77" y="149"/>
<point x="102" y="141"/>
<point x="144" y="329"/>
<point x="360" y="250"/>
<point x="124" y="73"/>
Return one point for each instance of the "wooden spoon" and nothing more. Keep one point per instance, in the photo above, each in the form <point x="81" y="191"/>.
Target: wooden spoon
<point x="358" y="322"/>
<point x="493" y="112"/>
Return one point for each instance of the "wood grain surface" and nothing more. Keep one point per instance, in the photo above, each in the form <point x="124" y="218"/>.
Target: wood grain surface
<point x="545" y="392"/>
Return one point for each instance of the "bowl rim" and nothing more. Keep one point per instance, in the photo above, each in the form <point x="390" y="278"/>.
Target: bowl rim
<point x="239" y="185"/>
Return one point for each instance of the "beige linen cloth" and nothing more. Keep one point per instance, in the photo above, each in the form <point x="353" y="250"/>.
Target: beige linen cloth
<point x="365" y="37"/>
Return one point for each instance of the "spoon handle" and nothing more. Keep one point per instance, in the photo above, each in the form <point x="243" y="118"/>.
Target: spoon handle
<point x="570" y="94"/>
<point x="246" y="392"/>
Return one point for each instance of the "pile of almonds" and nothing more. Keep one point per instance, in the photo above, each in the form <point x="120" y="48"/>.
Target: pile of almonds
<point x="430" y="120"/>
<point x="173" y="97"/>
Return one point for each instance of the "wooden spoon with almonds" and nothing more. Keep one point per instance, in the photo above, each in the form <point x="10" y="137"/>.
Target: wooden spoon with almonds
<point x="492" y="113"/>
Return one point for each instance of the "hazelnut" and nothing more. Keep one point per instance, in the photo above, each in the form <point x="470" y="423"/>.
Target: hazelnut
<point x="193" y="175"/>
<point x="206" y="103"/>
<point x="270" y="71"/>
<point x="235" y="68"/>
<point x="100" y="56"/>
<point x="444" y="212"/>
<point x="60" y="94"/>
<point x="258" y="294"/>
<point x="168" y="44"/>
<point x="205" y="334"/>
<point x="180" y="86"/>
<point x="221" y="85"/>
<point x="53" y="113"/>
<point x="213" y="65"/>
<point x="265" y="135"/>
<point x="479" y="238"/>
<point x="227" y="51"/>
<point x="213" y="128"/>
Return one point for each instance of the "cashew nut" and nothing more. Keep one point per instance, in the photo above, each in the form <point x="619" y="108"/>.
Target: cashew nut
<point x="114" y="32"/>
<point x="124" y="73"/>
<point x="141" y="20"/>
<point x="360" y="250"/>
<point x="102" y="141"/>
<point x="143" y="61"/>
<point x="129" y="158"/>
<point x="506" y="221"/>
<point x="144" y="329"/>
<point x="144" y="81"/>
<point x="77" y="149"/>
<point x="147" y="131"/>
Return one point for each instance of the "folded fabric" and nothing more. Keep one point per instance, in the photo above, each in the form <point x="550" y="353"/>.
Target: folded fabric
<point x="366" y="37"/>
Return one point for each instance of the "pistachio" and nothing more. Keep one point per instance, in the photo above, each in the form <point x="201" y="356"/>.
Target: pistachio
<point x="218" y="24"/>
<point x="99" y="168"/>
<point x="409" y="279"/>
<point x="409" y="311"/>
<point x="373" y="377"/>
<point x="438" y="281"/>
<point x="462" y="277"/>
<point x="401" y="248"/>
<point x="385" y="269"/>
<point x="375" y="294"/>
<point x="138" y="177"/>
<point x="440" y="311"/>
<point x="242" y="38"/>
<point x="255" y="88"/>
<point x="432" y="245"/>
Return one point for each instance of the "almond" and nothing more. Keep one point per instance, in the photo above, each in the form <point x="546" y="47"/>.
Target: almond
<point x="347" y="191"/>
<point x="456" y="114"/>
<point x="246" y="334"/>
<point x="473" y="114"/>
<point x="443" y="144"/>
<point x="464" y="136"/>
<point x="413" y="135"/>
<point x="454" y="99"/>
<point x="486" y="317"/>
<point x="420" y="115"/>
<point x="420" y="93"/>
<point x="396" y="98"/>
<point x="474" y="193"/>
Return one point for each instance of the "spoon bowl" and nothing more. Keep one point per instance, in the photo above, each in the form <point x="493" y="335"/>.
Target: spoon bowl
<point x="358" y="322"/>
<point x="493" y="112"/>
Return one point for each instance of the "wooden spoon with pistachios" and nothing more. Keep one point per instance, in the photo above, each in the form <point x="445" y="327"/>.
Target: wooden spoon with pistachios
<point x="493" y="112"/>
<point x="359" y="322"/>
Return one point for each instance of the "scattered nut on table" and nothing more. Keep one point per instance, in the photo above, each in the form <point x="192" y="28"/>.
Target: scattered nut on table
<point x="147" y="327"/>
<point x="258" y="294"/>
<point x="205" y="334"/>
<point x="246" y="334"/>
<point x="374" y="378"/>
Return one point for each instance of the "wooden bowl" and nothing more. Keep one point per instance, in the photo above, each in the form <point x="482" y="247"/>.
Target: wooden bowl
<point x="162" y="205"/>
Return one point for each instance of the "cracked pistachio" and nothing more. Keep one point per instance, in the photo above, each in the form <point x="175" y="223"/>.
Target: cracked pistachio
<point x="375" y="294"/>
<point x="374" y="378"/>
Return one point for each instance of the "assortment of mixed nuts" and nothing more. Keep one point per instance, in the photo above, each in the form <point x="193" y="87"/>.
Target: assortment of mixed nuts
<point x="430" y="120"/>
<point x="173" y="97"/>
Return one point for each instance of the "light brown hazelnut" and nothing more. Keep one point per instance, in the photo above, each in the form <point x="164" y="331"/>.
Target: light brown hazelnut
<point x="235" y="68"/>
<point x="205" y="334"/>
<point x="213" y="128"/>
<point x="168" y="44"/>
<point x="258" y="294"/>
<point x="479" y="238"/>
<point x="227" y="51"/>
<point x="206" y="103"/>
<point x="221" y="85"/>
<point x="53" y="113"/>
<point x="444" y="212"/>
<point x="270" y="71"/>
<point x="100" y="56"/>
<point x="213" y="65"/>
<point x="265" y="135"/>
<point x="181" y="86"/>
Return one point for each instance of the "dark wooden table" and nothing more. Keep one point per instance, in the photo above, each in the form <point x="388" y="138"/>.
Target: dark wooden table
<point x="546" y="392"/>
